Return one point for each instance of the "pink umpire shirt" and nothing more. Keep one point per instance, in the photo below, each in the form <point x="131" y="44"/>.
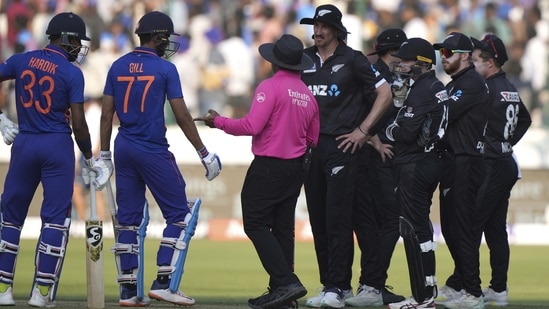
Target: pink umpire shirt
<point x="283" y="118"/>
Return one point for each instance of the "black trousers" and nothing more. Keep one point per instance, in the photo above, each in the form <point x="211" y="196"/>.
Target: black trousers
<point x="416" y="183"/>
<point x="461" y="179"/>
<point x="491" y="217"/>
<point x="329" y="189"/>
<point x="382" y="184"/>
<point x="375" y="217"/>
<point x="269" y="196"/>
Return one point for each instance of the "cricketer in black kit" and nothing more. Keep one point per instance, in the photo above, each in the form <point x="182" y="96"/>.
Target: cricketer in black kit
<point x="463" y="169"/>
<point x="338" y="81"/>
<point x="418" y="126"/>
<point x="508" y="121"/>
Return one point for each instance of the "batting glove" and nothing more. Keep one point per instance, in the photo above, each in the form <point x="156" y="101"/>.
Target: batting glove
<point x="86" y="171"/>
<point x="400" y="88"/>
<point x="211" y="163"/>
<point x="8" y="128"/>
<point x="104" y="169"/>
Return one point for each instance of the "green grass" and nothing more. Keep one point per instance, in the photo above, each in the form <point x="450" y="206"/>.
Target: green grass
<point x="226" y="274"/>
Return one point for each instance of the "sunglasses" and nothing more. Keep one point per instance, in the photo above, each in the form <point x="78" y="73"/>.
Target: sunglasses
<point x="447" y="53"/>
<point x="487" y="39"/>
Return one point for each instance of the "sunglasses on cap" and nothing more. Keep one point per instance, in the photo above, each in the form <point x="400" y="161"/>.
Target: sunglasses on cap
<point x="487" y="39"/>
<point x="447" y="53"/>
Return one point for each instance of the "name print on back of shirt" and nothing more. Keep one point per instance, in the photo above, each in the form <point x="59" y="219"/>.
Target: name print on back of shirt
<point x="136" y="67"/>
<point x="42" y="65"/>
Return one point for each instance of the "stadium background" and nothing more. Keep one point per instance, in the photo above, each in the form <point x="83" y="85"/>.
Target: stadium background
<point x="246" y="23"/>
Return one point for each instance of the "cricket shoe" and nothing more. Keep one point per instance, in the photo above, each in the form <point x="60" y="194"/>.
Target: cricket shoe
<point x="39" y="300"/>
<point x="447" y="294"/>
<point x="494" y="298"/>
<point x="6" y="298"/>
<point x="466" y="301"/>
<point x="316" y="301"/>
<point x="279" y="297"/>
<point x="365" y="296"/>
<point x="128" y="297"/>
<point x="162" y="292"/>
<point x="389" y="297"/>
<point x="335" y="298"/>
<point x="411" y="303"/>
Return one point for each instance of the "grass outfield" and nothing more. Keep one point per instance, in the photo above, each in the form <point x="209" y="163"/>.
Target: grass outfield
<point x="226" y="274"/>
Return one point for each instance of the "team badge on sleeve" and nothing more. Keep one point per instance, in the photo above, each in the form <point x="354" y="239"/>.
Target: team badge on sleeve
<point x="260" y="96"/>
<point x="441" y="96"/>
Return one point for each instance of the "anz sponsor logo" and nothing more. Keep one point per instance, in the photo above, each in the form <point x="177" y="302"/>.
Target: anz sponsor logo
<point x="455" y="96"/>
<point x="325" y="90"/>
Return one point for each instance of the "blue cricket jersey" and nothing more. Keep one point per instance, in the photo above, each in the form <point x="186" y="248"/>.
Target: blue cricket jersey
<point x="140" y="82"/>
<point x="46" y="83"/>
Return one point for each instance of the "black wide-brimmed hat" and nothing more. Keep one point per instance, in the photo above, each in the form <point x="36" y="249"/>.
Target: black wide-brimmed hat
<point x="287" y="53"/>
<point x="328" y="14"/>
<point x="389" y="39"/>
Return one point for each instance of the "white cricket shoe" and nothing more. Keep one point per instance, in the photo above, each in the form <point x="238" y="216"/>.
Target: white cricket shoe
<point x="411" y="303"/>
<point x="135" y="302"/>
<point x="6" y="298"/>
<point x="466" y="301"/>
<point x="39" y="300"/>
<point x="314" y="302"/>
<point x="494" y="298"/>
<point x="335" y="298"/>
<point x="177" y="298"/>
<point x="365" y="296"/>
<point x="446" y="294"/>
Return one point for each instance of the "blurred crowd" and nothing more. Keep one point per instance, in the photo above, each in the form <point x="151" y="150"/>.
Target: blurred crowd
<point x="218" y="60"/>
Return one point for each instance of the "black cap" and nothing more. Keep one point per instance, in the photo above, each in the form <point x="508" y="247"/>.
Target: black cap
<point x="389" y="39"/>
<point x="328" y="14"/>
<point x="287" y="53"/>
<point x="456" y="41"/>
<point x="493" y="45"/>
<point x="155" y="22"/>
<point x="417" y="49"/>
<point x="67" y="23"/>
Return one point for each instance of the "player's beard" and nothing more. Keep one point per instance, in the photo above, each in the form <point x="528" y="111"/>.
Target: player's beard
<point x="450" y="66"/>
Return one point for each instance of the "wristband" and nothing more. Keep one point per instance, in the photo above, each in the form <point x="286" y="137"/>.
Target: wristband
<point x="105" y="155"/>
<point x="203" y="152"/>
<point x="360" y="129"/>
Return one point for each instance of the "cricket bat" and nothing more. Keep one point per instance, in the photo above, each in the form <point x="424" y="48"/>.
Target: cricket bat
<point x="112" y="209"/>
<point x="94" y="253"/>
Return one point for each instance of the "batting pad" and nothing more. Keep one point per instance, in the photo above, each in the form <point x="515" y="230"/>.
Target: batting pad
<point x="194" y="206"/>
<point x="413" y="256"/>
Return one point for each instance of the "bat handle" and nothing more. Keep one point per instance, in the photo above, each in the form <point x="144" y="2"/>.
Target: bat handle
<point x="93" y="202"/>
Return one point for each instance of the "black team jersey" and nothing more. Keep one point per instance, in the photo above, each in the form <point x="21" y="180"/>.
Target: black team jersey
<point x="508" y="119"/>
<point x="467" y="112"/>
<point x="421" y="121"/>
<point x="340" y="87"/>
